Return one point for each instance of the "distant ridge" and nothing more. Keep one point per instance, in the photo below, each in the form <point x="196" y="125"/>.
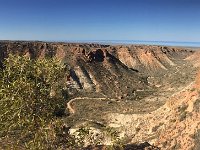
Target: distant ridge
<point x="119" y="42"/>
<point x="134" y="42"/>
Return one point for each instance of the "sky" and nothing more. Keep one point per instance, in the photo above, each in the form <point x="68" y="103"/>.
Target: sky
<point x="62" y="20"/>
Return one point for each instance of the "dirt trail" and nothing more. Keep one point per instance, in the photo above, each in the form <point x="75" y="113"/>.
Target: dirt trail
<point x="72" y="110"/>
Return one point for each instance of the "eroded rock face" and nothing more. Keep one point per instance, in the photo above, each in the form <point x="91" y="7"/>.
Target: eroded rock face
<point x="104" y="68"/>
<point x="115" y="71"/>
<point x="150" y="59"/>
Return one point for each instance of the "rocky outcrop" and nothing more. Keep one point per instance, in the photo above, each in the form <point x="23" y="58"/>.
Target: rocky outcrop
<point x="150" y="59"/>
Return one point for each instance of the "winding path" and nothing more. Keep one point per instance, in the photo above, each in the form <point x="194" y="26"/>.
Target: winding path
<point x="72" y="110"/>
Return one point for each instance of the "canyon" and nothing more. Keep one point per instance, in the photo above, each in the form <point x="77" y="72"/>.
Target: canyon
<point x="146" y="93"/>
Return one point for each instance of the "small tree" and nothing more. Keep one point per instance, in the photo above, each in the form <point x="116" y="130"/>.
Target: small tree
<point x="31" y="99"/>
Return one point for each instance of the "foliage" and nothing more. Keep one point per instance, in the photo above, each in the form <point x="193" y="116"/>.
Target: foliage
<point x="32" y="105"/>
<point x="111" y="133"/>
<point x="32" y="98"/>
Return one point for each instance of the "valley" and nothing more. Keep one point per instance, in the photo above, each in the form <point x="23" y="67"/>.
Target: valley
<point x="145" y="93"/>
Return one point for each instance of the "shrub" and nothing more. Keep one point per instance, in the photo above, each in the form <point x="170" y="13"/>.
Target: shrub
<point x="32" y="98"/>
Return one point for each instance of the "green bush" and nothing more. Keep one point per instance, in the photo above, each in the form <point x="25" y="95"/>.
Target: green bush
<point x="33" y="96"/>
<point x="32" y="101"/>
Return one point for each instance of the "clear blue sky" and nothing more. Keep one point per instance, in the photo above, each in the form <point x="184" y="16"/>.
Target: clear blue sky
<point x="160" y="20"/>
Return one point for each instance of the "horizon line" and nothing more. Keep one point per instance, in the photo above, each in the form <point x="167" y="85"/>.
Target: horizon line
<point x="100" y="40"/>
